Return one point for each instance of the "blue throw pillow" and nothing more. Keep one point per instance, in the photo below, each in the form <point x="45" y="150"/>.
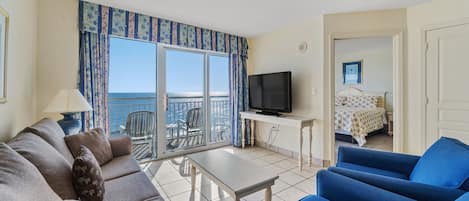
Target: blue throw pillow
<point x="445" y="164"/>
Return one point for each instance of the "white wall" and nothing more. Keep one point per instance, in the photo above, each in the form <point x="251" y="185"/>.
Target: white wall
<point x="431" y="13"/>
<point x="19" y="111"/>
<point x="278" y="51"/>
<point x="58" y="43"/>
<point x="377" y="67"/>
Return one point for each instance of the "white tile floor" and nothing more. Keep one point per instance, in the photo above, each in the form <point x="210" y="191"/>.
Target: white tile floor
<point x="172" y="178"/>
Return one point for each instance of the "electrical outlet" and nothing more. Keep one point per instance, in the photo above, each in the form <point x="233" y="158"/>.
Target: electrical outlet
<point x="276" y="128"/>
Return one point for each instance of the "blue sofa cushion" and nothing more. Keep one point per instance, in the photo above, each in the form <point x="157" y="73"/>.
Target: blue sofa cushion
<point x="445" y="164"/>
<point x="313" y="198"/>
<point x="351" y="166"/>
<point x="464" y="197"/>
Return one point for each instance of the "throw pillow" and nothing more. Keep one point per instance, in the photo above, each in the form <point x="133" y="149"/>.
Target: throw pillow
<point x="95" y="140"/>
<point x="445" y="163"/>
<point x="87" y="176"/>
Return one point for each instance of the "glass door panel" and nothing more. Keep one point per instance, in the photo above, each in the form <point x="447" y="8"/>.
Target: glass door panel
<point x="184" y="103"/>
<point x="219" y="114"/>
<point x="131" y="96"/>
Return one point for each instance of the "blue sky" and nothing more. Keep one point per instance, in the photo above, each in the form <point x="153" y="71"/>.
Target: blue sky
<point x="132" y="68"/>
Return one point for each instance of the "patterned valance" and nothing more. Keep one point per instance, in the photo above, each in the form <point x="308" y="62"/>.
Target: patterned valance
<point x="117" y="22"/>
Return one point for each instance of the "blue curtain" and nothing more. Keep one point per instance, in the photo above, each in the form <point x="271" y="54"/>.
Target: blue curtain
<point x="93" y="79"/>
<point x="238" y="98"/>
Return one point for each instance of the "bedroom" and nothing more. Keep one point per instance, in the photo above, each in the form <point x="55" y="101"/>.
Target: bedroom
<point x="364" y="92"/>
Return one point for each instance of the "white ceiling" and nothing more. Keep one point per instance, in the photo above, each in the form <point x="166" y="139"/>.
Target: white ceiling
<point x="249" y="17"/>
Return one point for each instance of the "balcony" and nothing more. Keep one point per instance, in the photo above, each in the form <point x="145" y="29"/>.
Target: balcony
<point x="178" y="134"/>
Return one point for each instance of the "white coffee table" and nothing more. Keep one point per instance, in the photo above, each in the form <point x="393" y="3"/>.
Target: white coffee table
<point x="237" y="176"/>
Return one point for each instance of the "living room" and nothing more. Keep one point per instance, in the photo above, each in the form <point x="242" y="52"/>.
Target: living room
<point x="174" y="90"/>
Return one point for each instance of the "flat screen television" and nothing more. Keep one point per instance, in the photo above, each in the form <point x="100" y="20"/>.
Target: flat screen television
<point x="270" y="93"/>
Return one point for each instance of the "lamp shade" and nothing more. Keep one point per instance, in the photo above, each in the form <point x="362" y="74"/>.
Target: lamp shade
<point x="68" y="101"/>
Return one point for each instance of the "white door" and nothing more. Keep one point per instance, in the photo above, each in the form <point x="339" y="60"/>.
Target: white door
<point x="447" y="83"/>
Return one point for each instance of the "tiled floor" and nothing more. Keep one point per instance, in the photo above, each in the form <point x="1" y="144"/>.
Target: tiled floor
<point x="172" y="178"/>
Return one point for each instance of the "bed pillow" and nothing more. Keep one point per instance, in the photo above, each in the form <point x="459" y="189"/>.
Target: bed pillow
<point x="340" y="100"/>
<point x="361" y="101"/>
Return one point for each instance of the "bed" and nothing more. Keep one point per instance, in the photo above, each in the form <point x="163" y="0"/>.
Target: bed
<point x="359" y="114"/>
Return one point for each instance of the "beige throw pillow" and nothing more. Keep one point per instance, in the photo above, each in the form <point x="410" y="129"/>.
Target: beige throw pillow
<point x="95" y="140"/>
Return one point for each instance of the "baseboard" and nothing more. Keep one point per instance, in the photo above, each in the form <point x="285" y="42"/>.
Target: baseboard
<point x="292" y="154"/>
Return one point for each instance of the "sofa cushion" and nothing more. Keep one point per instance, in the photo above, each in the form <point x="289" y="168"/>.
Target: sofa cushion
<point x="87" y="176"/>
<point x="56" y="170"/>
<point x="95" y="140"/>
<point x="20" y="180"/>
<point x="464" y="197"/>
<point x="119" y="167"/>
<point x="313" y="198"/>
<point x="52" y="133"/>
<point x="137" y="187"/>
<point x="377" y="171"/>
<point x="445" y="164"/>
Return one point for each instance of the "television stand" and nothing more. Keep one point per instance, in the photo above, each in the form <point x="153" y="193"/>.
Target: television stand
<point x="269" y="113"/>
<point x="297" y="122"/>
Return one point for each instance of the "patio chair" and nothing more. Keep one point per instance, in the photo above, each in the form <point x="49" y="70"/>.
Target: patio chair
<point x="140" y="126"/>
<point x="192" y="125"/>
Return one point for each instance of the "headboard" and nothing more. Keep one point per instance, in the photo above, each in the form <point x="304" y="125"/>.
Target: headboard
<point x="352" y="91"/>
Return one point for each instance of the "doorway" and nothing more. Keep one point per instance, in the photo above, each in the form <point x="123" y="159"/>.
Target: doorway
<point x="363" y="103"/>
<point x="397" y="87"/>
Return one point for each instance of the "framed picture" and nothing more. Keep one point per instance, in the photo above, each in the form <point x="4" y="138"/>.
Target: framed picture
<point x="4" y="19"/>
<point x="352" y="72"/>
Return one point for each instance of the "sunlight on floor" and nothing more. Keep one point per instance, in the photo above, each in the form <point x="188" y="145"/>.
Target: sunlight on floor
<point x="172" y="177"/>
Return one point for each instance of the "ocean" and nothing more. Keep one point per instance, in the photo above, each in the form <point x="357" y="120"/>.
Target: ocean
<point x="121" y="104"/>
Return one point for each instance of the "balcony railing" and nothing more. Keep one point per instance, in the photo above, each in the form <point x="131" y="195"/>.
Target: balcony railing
<point x="121" y="105"/>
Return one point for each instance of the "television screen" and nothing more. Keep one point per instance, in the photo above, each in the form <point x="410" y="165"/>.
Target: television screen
<point x="270" y="92"/>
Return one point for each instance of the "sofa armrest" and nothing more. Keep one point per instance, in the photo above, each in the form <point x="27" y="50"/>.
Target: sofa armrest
<point x="414" y="190"/>
<point x="336" y="187"/>
<point x="121" y="145"/>
<point x="395" y="162"/>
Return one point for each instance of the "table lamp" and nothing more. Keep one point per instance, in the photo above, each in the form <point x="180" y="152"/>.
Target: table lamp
<point x="68" y="102"/>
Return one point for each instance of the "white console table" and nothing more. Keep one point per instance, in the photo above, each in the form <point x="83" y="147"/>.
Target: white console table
<point x="285" y="120"/>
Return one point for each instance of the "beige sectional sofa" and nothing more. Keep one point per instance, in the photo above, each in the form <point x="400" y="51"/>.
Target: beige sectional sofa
<point x="45" y="151"/>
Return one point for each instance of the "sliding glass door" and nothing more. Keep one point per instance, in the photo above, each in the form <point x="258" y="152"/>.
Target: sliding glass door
<point x="131" y="96"/>
<point x="193" y="105"/>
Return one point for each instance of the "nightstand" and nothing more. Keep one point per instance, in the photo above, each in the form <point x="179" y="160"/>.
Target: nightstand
<point x="390" y="122"/>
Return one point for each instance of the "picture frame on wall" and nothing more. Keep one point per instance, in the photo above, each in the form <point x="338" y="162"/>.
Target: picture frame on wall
<point x="352" y="72"/>
<point x="4" y="21"/>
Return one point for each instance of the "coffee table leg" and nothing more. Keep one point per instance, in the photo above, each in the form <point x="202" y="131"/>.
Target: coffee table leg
<point x="193" y="176"/>
<point x="268" y="194"/>
<point x="300" y="153"/>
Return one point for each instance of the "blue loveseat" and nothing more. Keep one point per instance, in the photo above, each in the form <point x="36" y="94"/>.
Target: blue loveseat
<point x="441" y="174"/>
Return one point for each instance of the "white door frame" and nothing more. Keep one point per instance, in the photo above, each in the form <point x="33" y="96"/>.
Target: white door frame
<point x="398" y="86"/>
<point x="423" y="89"/>
<point x="160" y="101"/>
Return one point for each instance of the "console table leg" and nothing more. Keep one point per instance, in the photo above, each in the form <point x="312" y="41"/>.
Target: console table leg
<point x="268" y="194"/>
<point x="252" y="132"/>
<point x="300" y="153"/>
<point x="193" y="176"/>
<point x="243" y="127"/>
<point x="310" y="158"/>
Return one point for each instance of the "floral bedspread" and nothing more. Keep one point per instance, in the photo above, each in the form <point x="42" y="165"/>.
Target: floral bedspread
<point x="359" y="121"/>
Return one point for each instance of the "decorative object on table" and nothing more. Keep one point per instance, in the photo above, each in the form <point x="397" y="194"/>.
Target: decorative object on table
<point x="4" y="18"/>
<point x="69" y="103"/>
<point x="352" y="72"/>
